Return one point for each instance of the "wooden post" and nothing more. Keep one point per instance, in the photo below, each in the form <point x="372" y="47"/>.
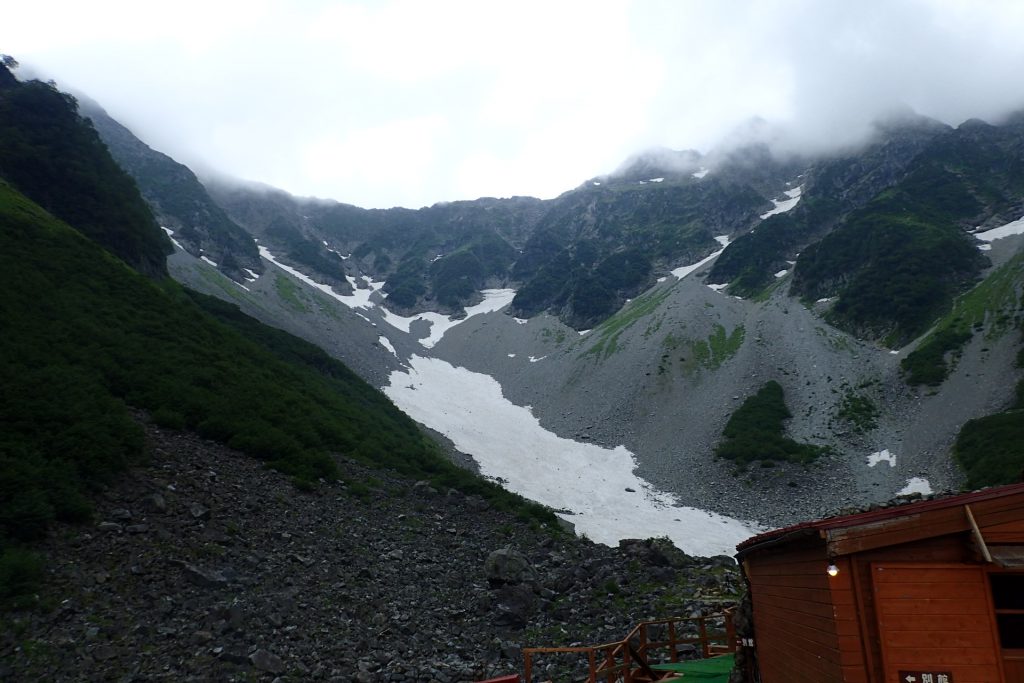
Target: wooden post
<point x="528" y="656"/>
<point x="730" y="631"/>
<point x="978" y="538"/>
<point x="593" y="667"/>
<point x="674" y="656"/>
<point x="703" y="629"/>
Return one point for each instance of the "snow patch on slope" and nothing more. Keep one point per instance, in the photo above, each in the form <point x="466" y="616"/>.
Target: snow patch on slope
<point x="786" y="204"/>
<point x="683" y="271"/>
<point x="1014" y="228"/>
<point x="170" y="234"/>
<point x="916" y="485"/>
<point x="509" y="444"/>
<point x="882" y="456"/>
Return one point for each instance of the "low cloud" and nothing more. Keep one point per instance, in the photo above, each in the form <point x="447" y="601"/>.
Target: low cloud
<point x="518" y="98"/>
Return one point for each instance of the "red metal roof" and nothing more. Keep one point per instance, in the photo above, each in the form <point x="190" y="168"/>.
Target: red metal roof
<point x="859" y="518"/>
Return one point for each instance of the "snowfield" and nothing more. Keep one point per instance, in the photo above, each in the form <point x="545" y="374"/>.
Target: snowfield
<point x="1014" y="228"/>
<point x="597" y="486"/>
<point x="683" y="271"/>
<point x="494" y="300"/>
<point x="786" y="204"/>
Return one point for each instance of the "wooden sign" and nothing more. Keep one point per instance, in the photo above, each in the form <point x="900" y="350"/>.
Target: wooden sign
<point x="925" y="677"/>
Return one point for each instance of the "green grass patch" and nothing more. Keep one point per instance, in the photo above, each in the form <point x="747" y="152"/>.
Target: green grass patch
<point x="707" y="353"/>
<point x="755" y="432"/>
<point x="931" y="362"/>
<point x="990" y="306"/>
<point x="290" y="293"/>
<point x="610" y="330"/>
<point x="991" y="449"/>
<point x="858" y="411"/>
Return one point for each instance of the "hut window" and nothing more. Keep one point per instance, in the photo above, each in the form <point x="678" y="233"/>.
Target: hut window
<point x="1008" y="601"/>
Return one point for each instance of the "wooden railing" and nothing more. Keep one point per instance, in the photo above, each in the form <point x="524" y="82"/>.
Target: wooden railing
<point x="650" y="642"/>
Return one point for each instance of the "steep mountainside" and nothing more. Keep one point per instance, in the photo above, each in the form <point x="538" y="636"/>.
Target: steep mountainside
<point x="178" y="200"/>
<point x="51" y="155"/>
<point x="834" y="256"/>
<point x="85" y="337"/>
<point x="579" y="256"/>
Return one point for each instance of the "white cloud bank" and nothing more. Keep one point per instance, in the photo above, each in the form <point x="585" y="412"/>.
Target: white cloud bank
<point x="407" y="103"/>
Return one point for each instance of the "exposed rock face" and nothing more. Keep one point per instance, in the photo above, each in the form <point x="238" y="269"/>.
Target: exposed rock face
<point x="270" y="582"/>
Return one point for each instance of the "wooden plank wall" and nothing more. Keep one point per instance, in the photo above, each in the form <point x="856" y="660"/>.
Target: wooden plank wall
<point x="812" y="628"/>
<point x="794" y="618"/>
<point x="946" y="549"/>
<point x="936" y="618"/>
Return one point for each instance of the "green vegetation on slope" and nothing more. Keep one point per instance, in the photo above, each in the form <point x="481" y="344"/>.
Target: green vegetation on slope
<point x="719" y="347"/>
<point x="54" y="157"/>
<point x="707" y="353"/>
<point x="176" y="197"/>
<point x="992" y="303"/>
<point x="610" y="330"/>
<point x="85" y="337"/>
<point x="991" y="449"/>
<point x="598" y="246"/>
<point x="895" y="266"/>
<point x="930" y="362"/>
<point x="756" y="432"/>
<point x="859" y="411"/>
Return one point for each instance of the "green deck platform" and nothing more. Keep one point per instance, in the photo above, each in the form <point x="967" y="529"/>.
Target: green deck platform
<point x="713" y="670"/>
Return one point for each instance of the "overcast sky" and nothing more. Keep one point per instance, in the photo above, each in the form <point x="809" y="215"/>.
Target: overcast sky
<point x="405" y="103"/>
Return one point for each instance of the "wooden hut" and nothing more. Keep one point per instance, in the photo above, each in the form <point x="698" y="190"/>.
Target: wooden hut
<point x="925" y="592"/>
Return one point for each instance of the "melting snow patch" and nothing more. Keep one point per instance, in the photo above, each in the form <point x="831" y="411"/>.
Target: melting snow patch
<point x="509" y="444"/>
<point x="916" y="485"/>
<point x="360" y="298"/>
<point x="662" y="279"/>
<point x="521" y="321"/>
<point x="782" y="273"/>
<point x="170" y="233"/>
<point x="825" y="300"/>
<point x="534" y="359"/>
<point x="984" y="247"/>
<point x="786" y="204"/>
<point x="882" y="456"/>
<point x="209" y="260"/>
<point x="595" y="183"/>
<point x="241" y="285"/>
<point x="1014" y="228"/>
<point x="700" y="174"/>
<point x="686" y="270"/>
<point x="718" y="288"/>
<point x="583" y="332"/>
<point x="494" y="300"/>
<point x="386" y="343"/>
<point x="656" y="180"/>
<point x="252" y="276"/>
<point x="511" y="355"/>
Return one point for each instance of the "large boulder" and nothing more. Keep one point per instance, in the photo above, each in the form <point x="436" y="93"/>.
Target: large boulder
<point x="507" y="566"/>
